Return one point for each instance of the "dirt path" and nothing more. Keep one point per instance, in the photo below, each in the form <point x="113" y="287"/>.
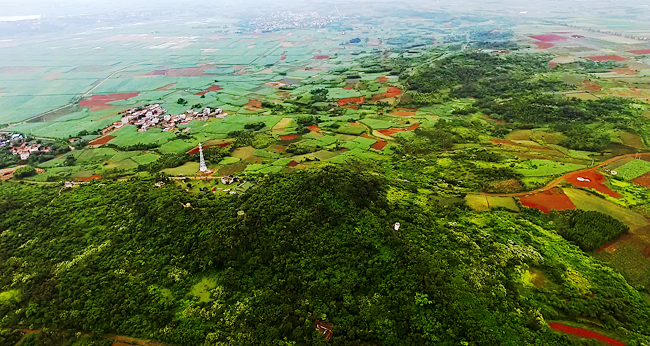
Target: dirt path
<point x="555" y="182"/>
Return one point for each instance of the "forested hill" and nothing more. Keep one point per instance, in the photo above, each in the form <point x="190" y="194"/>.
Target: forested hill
<point x="258" y="269"/>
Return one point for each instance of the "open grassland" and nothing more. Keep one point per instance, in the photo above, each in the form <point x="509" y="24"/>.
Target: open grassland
<point x="540" y="168"/>
<point x="633" y="169"/>
<point x="588" y="201"/>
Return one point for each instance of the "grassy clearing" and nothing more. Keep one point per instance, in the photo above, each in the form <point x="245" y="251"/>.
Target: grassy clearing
<point x="188" y="169"/>
<point x="633" y="169"/>
<point x="588" y="201"/>
<point x="540" y="168"/>
<point x="202" y="289"/>
<point x="145" y="158"/>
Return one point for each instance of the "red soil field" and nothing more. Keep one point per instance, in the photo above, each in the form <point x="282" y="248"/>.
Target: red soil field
<point x="100" y="102"/>
<point x="549" y="38"/>
<point x="640" y="51"/>
<point x="543" y="45"/>
<point x="502" y="51"/>
<point x="552" y="64"/>
<point x="590" y="86"/>
<point x="212" y="88"/>
<point x="583" y="333"/>
<point x="404" y="112"/>
<point x="94" y="176"/>
<point x="381" y="79"/>
<point x="292" y="164"/>
<point x="547" y="200"/>
<point x="314" y="128"/>
<point x="355" y="124"/>
<point x="379" y="145"/>
<point x="253" y="105"/>
<point x="599" y="58"/>
<point x="166" y="87"/>
<point x="349" y="87"/>
<point x="321" y="57"/>
<point x="357" y="100"/>
<point x="101" y="140"/>
<point x="283" y="57"/>
<point x="392" y="92"/>
<point x="393" y="130"/>
<point x="643" y="180"/>
<point x="288" y="137"/>
<point x="595" y="181"/>
<point x="275" y="84"/>
<point x="501" y="141"/>
<point x="625" y="71"/>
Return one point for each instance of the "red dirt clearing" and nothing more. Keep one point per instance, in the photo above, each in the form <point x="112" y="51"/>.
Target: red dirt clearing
<point x="393" y="130"/>
<point x="166" y="87"/>
<point x="625" y="71"/>
<point x="101" y="102"/>
<point x="314" y="128"/>
<point x="292" y="164"/>
<point x="502" y="141"/>
<point x="545" y="201"/>
<point x="253" y="105"/>
<point x="321" y="57"/>
<point x="549" y="38"/>
<point x="583" y="333"/>
<point x="94" y="176"/>
<point x="349" y="87"/>
<point x="101" y="140"/>
<point x="543" y="45"/>
<point x="643" y="180"/>
<point x="600" y="58"/>
<point x="288" y="137"/>
<point x="392" y="92"/>
<point x="381" y="79"/>
<point x="212" y="88"/>
<point x="591" y="180"/>
<point x="275" y="84"/>
<point x="404" y="112"/>
<point x="590" y="86"/>
<point x="640" y="51"/>
<point x="379" y="145"/>
<point x="357" y="100"/>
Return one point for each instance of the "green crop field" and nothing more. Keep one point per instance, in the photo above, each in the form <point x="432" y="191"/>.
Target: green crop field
<point x="633" y="169"/>
<point x="540" y="168"/>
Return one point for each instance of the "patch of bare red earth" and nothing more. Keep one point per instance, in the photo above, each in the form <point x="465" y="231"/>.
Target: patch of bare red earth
<point x="101" y="140"/>
<point x="545" y="201"/>
<point x="393" y="130"/>
<point x="381" y="79"/>
<point x="640" y="51"/>
<point x="404" y="112"/>
<point x="253" y="105"/>
<point x="314" y="128"/>
<point x="166" y="87"/>
<point x="275" y="84"/>
<point x="549" y="38"/>
<point x="101" y="102"/>
<point x="392" y="92"/>
<point x="601" y="58"/>
<point x="591" y="180"/>
<point x="625" y="71"/>
<point x="583" y="333"/>
<point x="379" y="145"/>
<point x="643" y="180"/>
<point x="288" y="137"/>
<point x="94" y="176"/>
<point x="349" y="87"/>
<point x="292" y="164"/>
<point x="357" y="100"/>
<point x="321" y="57"/>
<point x="212" y="88"/>
<point x="590" y="86"/>
<point x="543" y="45"/>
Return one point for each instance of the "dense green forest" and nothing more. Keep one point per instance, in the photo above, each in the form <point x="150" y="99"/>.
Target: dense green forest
<point x="260" y="268"/>
<point x="588" y="229"/>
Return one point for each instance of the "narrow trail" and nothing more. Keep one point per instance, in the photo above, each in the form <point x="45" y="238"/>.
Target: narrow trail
<point x="118" y="340"/>
<point x="555" y="182"/>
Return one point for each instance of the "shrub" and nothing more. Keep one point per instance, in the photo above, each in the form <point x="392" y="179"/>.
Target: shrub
<point x="24" y="172"/>
<point x="588" y="229"/>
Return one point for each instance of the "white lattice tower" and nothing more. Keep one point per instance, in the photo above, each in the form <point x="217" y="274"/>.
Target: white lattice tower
<point x="202" y="167"/>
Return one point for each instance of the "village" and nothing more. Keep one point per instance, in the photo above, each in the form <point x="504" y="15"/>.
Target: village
<point x="21" y="147"/>
<point x="154" y="115"/>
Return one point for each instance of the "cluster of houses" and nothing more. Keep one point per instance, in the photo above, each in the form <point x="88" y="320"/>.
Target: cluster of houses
<point x="18" y="146"/>
<point x="155" y="116"/>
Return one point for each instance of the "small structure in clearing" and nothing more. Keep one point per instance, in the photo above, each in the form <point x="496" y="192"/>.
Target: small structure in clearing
<point x="325" y="328"/>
